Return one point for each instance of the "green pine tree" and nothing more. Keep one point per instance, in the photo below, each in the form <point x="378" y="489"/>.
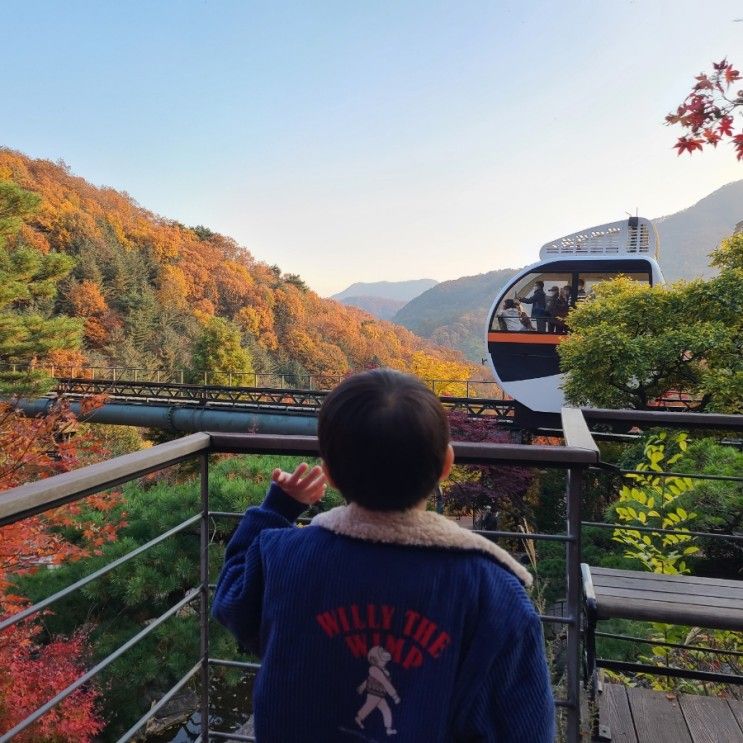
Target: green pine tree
<point x="28" y="278"/>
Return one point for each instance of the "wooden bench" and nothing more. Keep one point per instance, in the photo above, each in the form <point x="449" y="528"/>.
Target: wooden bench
<point x="674" y="599"/>
<point x="711" y="603"/>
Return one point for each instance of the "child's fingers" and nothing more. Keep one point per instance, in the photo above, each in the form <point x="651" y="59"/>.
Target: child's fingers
<point x="314" y="481"/>
<point x="276" y="475"/>
<point x="296" y="476"/>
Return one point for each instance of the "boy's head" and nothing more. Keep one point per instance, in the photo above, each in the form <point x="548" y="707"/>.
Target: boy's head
<point x="384" y="439"/>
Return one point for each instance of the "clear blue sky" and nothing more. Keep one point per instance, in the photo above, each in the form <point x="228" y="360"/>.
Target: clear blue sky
<point x="359" y="140"/>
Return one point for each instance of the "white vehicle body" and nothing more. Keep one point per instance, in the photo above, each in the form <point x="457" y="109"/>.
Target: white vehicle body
<point x="525" y="363"/>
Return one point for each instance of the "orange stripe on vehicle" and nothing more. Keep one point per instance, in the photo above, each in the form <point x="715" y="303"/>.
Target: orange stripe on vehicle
<point x="548" y="339"/>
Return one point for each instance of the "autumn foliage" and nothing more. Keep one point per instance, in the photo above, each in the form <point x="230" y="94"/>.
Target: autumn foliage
<point x="472" y="488"/>
<point x="32" y="673"/>
<point x="144" y="287"/>
<point x="708" y="112"/>
<point x="33" y="668"/>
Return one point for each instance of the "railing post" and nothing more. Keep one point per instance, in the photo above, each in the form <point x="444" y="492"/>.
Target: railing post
<point x="573" y="493"/>
<point x="204" y="604"/>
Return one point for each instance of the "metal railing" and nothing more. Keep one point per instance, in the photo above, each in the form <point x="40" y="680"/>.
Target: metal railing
<point x="575" y="457"/>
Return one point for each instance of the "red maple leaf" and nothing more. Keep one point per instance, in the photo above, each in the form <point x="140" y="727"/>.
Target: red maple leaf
<point x="726" y="126"/>
<point x="731" y="75"/>
<point x="688" y="144"/>
<point x="703" y="83"/>
<point x="738" y="142"/>
<point x="712" y="137"/>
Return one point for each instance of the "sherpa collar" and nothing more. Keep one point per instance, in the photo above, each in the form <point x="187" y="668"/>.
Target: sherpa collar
<point x="415" y="528"/>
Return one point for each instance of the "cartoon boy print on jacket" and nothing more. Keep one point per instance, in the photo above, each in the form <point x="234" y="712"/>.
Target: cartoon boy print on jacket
<point x="377" y="687"/>
<point x="383" y="634"/>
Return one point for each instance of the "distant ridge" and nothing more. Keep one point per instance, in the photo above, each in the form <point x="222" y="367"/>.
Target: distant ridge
<point x="689" y="236"/>
<point x="380" y="307"/>
<point x="401" y="291"/>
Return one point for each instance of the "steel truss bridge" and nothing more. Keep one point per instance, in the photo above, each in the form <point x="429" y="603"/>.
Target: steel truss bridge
<point x="257" y="399"/>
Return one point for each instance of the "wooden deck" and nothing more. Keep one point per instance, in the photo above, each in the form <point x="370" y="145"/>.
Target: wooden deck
<point x="644" y="716"/>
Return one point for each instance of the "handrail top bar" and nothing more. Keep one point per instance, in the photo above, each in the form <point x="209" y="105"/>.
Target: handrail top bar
<point x="41" y="495"/>
<point x="681" y="419"/>
<point x="465" y="452"/>
<point x="575" y="431"/>
<point x="26" y="500"/>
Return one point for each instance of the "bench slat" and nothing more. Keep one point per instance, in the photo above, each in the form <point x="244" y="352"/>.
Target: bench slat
<point x="641" y="575"/>
<point x="711" y="617"/>
<point x="661" y="585"/>
<point x="636" y="594"/>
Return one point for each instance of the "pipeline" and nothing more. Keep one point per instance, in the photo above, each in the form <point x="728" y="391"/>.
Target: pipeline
<point x="181" y="420"/>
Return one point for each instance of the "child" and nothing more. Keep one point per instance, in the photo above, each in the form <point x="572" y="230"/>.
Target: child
<point x="378" y="582"/>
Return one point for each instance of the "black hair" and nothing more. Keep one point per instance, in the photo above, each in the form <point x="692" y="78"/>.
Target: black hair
<point x="383" y="437"/>
<point x="540" y="284"/>
<point x="509" y="303"/>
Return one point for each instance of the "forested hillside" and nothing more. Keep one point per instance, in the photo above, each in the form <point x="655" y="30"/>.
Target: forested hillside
<point x="381" y="307"/>
<point x="453" y="312"/>
<point x="689" y="236"/>
<point x="155" y="294"/>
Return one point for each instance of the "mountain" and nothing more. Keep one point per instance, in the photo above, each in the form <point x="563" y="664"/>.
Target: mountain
<point x="401" y="291"/>
<point x="451" y="304"/>
<point x="381" y="307"/>
<point x="689" y="236"/>
<point x="453" y="313"/>
<point x="148" y="289"/>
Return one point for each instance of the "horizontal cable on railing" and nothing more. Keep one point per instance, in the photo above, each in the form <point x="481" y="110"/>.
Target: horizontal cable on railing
<point x="41" y="711"/>
<point x="21" y="615"/>
<point x="554" y="618"/>
<point x="524" y="535"/>
<point x="690" y="475"/>
<point x="564" y="703"/>
<point x="230" y="736"/>
<point x="682" y="532"/>
<point x="645" y="641"/>
<point x="234" y="664"/>
<point x="621" y="665"/>
<point x="157" y="707"/>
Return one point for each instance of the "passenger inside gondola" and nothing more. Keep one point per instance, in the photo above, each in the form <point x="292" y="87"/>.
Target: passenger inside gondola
<point x="538" y="301"/>
<point x="510" y="316"/>
<point x="552" y="302"/>
<point x="562" y="307"/>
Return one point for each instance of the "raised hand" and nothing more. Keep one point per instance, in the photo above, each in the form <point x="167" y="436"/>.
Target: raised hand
<point x="304" y="484"/>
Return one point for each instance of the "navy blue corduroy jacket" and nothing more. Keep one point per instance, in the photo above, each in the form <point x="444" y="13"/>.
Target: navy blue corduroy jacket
<point x="375" y="626"/>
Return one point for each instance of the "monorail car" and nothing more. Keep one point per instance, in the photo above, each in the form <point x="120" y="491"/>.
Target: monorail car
<point x="526" y="321"/>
